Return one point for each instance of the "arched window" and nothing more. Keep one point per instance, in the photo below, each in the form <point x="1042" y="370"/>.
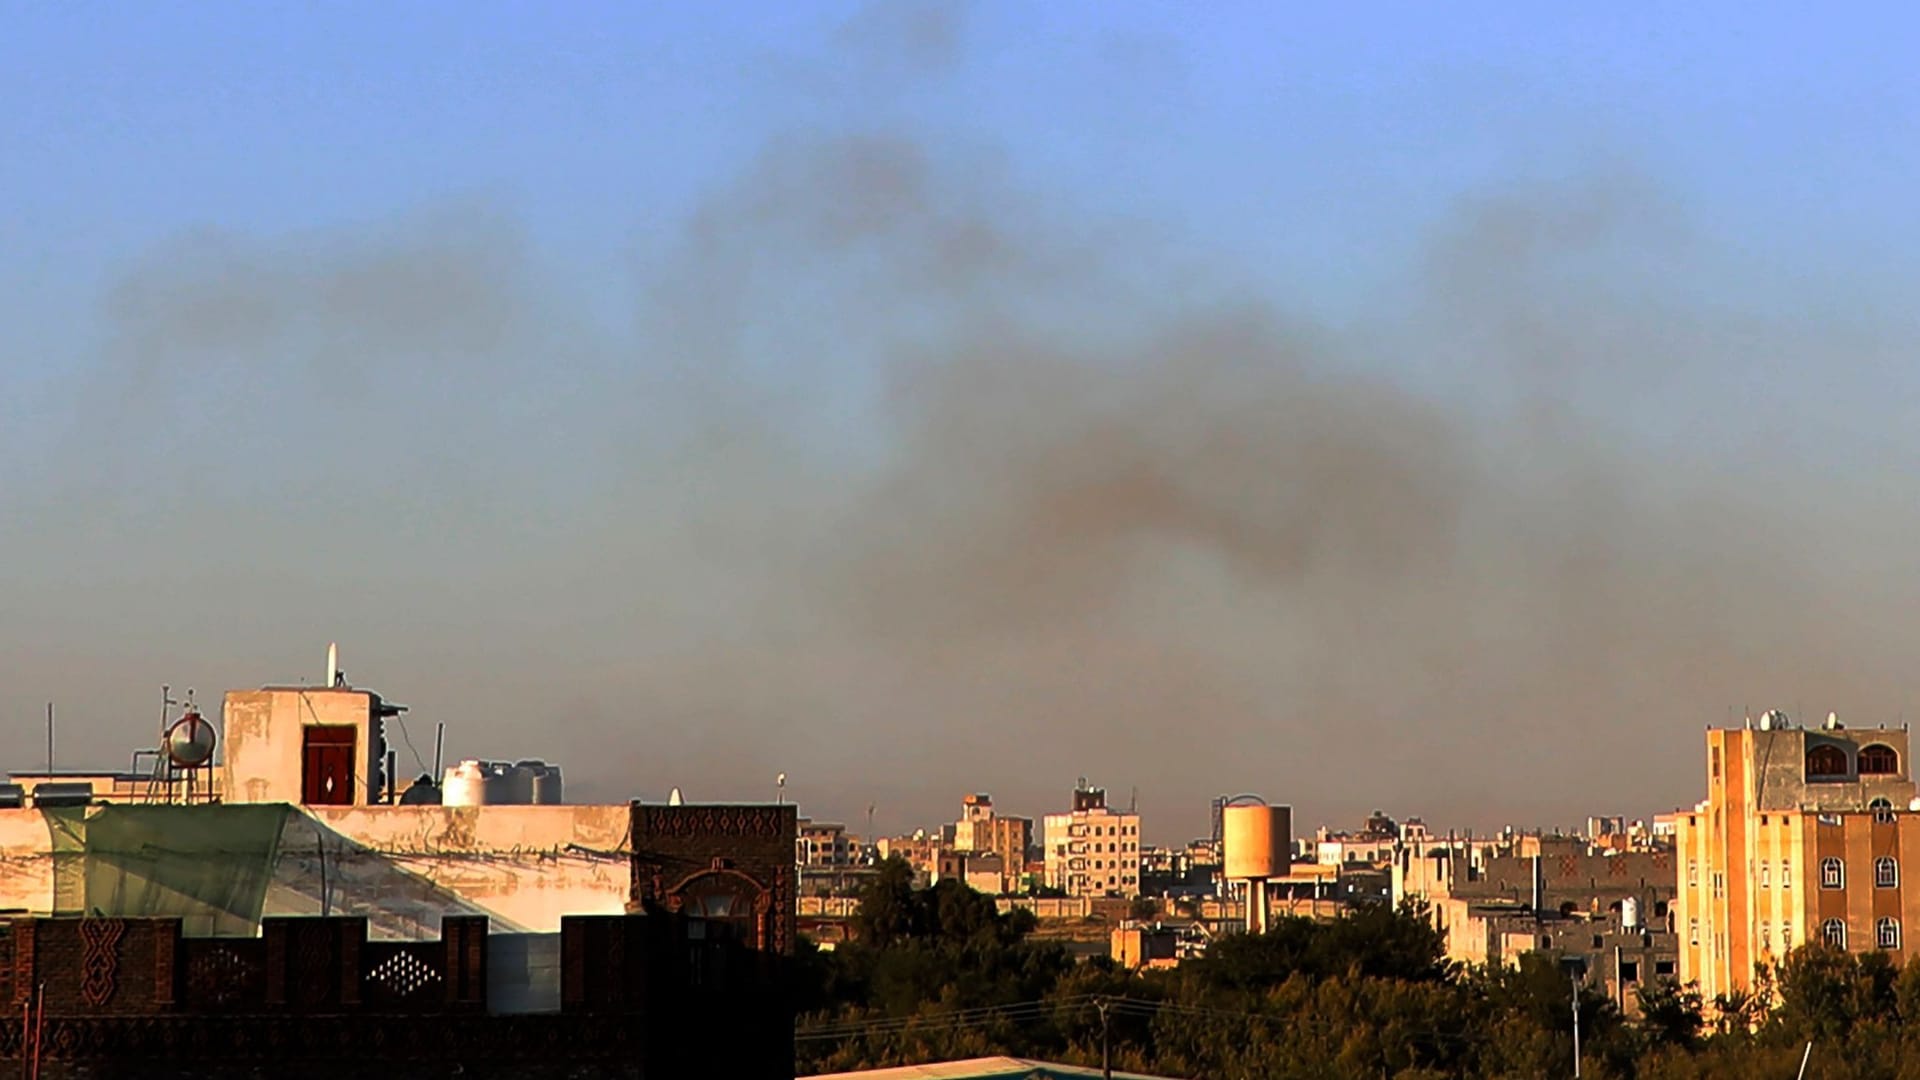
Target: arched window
<point x="1826" y="761"/>
<point x="1834" y="932"/>
<point x="1886" y="873"/>
<point x="1882" y="811"/>
<point x="1879" y="760"/>
<point x="1886" y="933"/>
<point x="1833" y="873"/>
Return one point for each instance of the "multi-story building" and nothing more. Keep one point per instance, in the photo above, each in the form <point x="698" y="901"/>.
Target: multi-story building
<point x="1606" y="911"/>
<point x="825" y="844"/>
<point x="919" y="851"/>
<point x="1802" y="838"/>
<point x="1093" y="850"/>
<point x="982" y="831"/>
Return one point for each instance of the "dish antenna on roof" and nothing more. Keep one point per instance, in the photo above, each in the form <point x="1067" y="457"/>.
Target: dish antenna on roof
<point x="1833" y="721"/>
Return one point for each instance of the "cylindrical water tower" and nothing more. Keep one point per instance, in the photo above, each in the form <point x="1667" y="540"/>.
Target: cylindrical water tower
<point x="1258" y="843"/>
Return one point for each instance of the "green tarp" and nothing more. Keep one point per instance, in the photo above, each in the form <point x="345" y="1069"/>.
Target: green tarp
<point x="206" y="865"/>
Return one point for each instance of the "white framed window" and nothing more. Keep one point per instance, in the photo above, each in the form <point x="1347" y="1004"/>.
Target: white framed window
<point x="1886" y="872"/>
<point x="1833" y="873"/>
<point x="1786" y="874"/>
<point x="1886" y="933"/>
<point x="1834" y="933"/>
<point x="1693" y="872"/>
<point x="1693" y="931"/>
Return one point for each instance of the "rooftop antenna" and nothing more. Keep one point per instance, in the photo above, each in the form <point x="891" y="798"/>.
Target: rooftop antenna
<point x="1133" y="800"/>
<point x="49" y="738"/>
<point x="333" y="664"/>
<point x="439" y="739"/>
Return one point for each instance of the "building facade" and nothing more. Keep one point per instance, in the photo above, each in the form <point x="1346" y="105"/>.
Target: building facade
<point x="1093" y="850"/>
<point x="1805" y="836"/>
<point x="982" y="831"/>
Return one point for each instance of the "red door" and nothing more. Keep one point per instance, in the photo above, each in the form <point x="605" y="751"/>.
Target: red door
<point x="326" y="766"/>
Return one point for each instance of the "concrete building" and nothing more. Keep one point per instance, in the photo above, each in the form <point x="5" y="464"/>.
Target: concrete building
<point x="983" y="831"/>
<point x="1804" y="836"/>
<point x="1608" y="912"/>
<point x="1093" y="850"/>
<point x="918" y="850"/>
<point x="825" y="845"/>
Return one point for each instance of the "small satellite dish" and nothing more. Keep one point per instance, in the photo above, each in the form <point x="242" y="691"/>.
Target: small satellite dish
<point x="1833" y="721"/>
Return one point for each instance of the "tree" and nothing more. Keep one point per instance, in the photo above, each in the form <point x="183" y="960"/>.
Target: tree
<point x="1671" y="1014"/>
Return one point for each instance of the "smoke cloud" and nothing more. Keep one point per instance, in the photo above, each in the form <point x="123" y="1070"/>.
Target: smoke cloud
<point x="909" y="479"/>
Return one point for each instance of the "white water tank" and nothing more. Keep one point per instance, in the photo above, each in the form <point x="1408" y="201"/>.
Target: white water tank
<point x="1258" y="840"/>
<point x="465" y="784"/>
<point x="1629" y="914"/>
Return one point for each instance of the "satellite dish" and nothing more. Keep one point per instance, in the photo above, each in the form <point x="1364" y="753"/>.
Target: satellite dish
<point x="674" y="799"/>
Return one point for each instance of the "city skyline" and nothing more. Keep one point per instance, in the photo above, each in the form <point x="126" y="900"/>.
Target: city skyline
<point x="1451" y="412"/>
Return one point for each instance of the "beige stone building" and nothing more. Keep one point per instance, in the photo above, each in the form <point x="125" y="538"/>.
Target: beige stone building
<point x="1093" y="850"/>
<point x="982" y="831"/>
<point x="1805" y="836"/>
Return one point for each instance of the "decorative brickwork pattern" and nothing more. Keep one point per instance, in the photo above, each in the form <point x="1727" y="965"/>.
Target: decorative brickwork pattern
<point x="100" y="963"/>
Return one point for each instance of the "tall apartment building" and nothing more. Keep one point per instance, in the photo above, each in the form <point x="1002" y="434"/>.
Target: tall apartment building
<point x="1802" y="837"/>
<point x="1093" y="850"/>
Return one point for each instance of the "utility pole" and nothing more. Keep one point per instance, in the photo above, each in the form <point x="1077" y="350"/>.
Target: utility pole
<point x="1106" y="1050"/>
<point x="1576" y="1027"/>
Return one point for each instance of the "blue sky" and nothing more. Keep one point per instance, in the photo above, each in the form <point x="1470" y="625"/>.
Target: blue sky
<point x="1309" y="144"/>
<point x="1704" y="210"/>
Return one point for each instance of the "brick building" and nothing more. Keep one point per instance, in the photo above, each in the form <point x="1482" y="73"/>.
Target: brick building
<point x="690" y="981"/>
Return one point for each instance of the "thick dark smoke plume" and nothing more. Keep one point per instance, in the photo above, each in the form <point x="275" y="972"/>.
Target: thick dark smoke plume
<point x="911" y="480"/>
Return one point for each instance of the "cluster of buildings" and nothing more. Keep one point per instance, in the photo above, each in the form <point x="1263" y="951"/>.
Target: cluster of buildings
<point x="293" y="899"/>
<point x="482" y="875"/>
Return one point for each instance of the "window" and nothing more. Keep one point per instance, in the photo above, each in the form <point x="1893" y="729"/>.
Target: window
<point x="1719" y="884"/>
<point x="1834" y="932"/>
<point x="1630" y="971"/>
<point x="1716" y="763"/>
<point x="1786" y="874"/>
<point x="1879" y="760"/>
<point x="1786" y="937"/>
<point x="1886" y="933"/>
<point x="1833" y="873"/>
<point x="1693" y="931"/>
<point x="1663" y="967"/>
<point x="1766" y="936"/>
<point x="1827" y="761"/>
<point x="1882" y="811"/>
<point x="1886" y="873"/>
<point x="1766" y="875"/>
<point x="1693" y="872"/>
